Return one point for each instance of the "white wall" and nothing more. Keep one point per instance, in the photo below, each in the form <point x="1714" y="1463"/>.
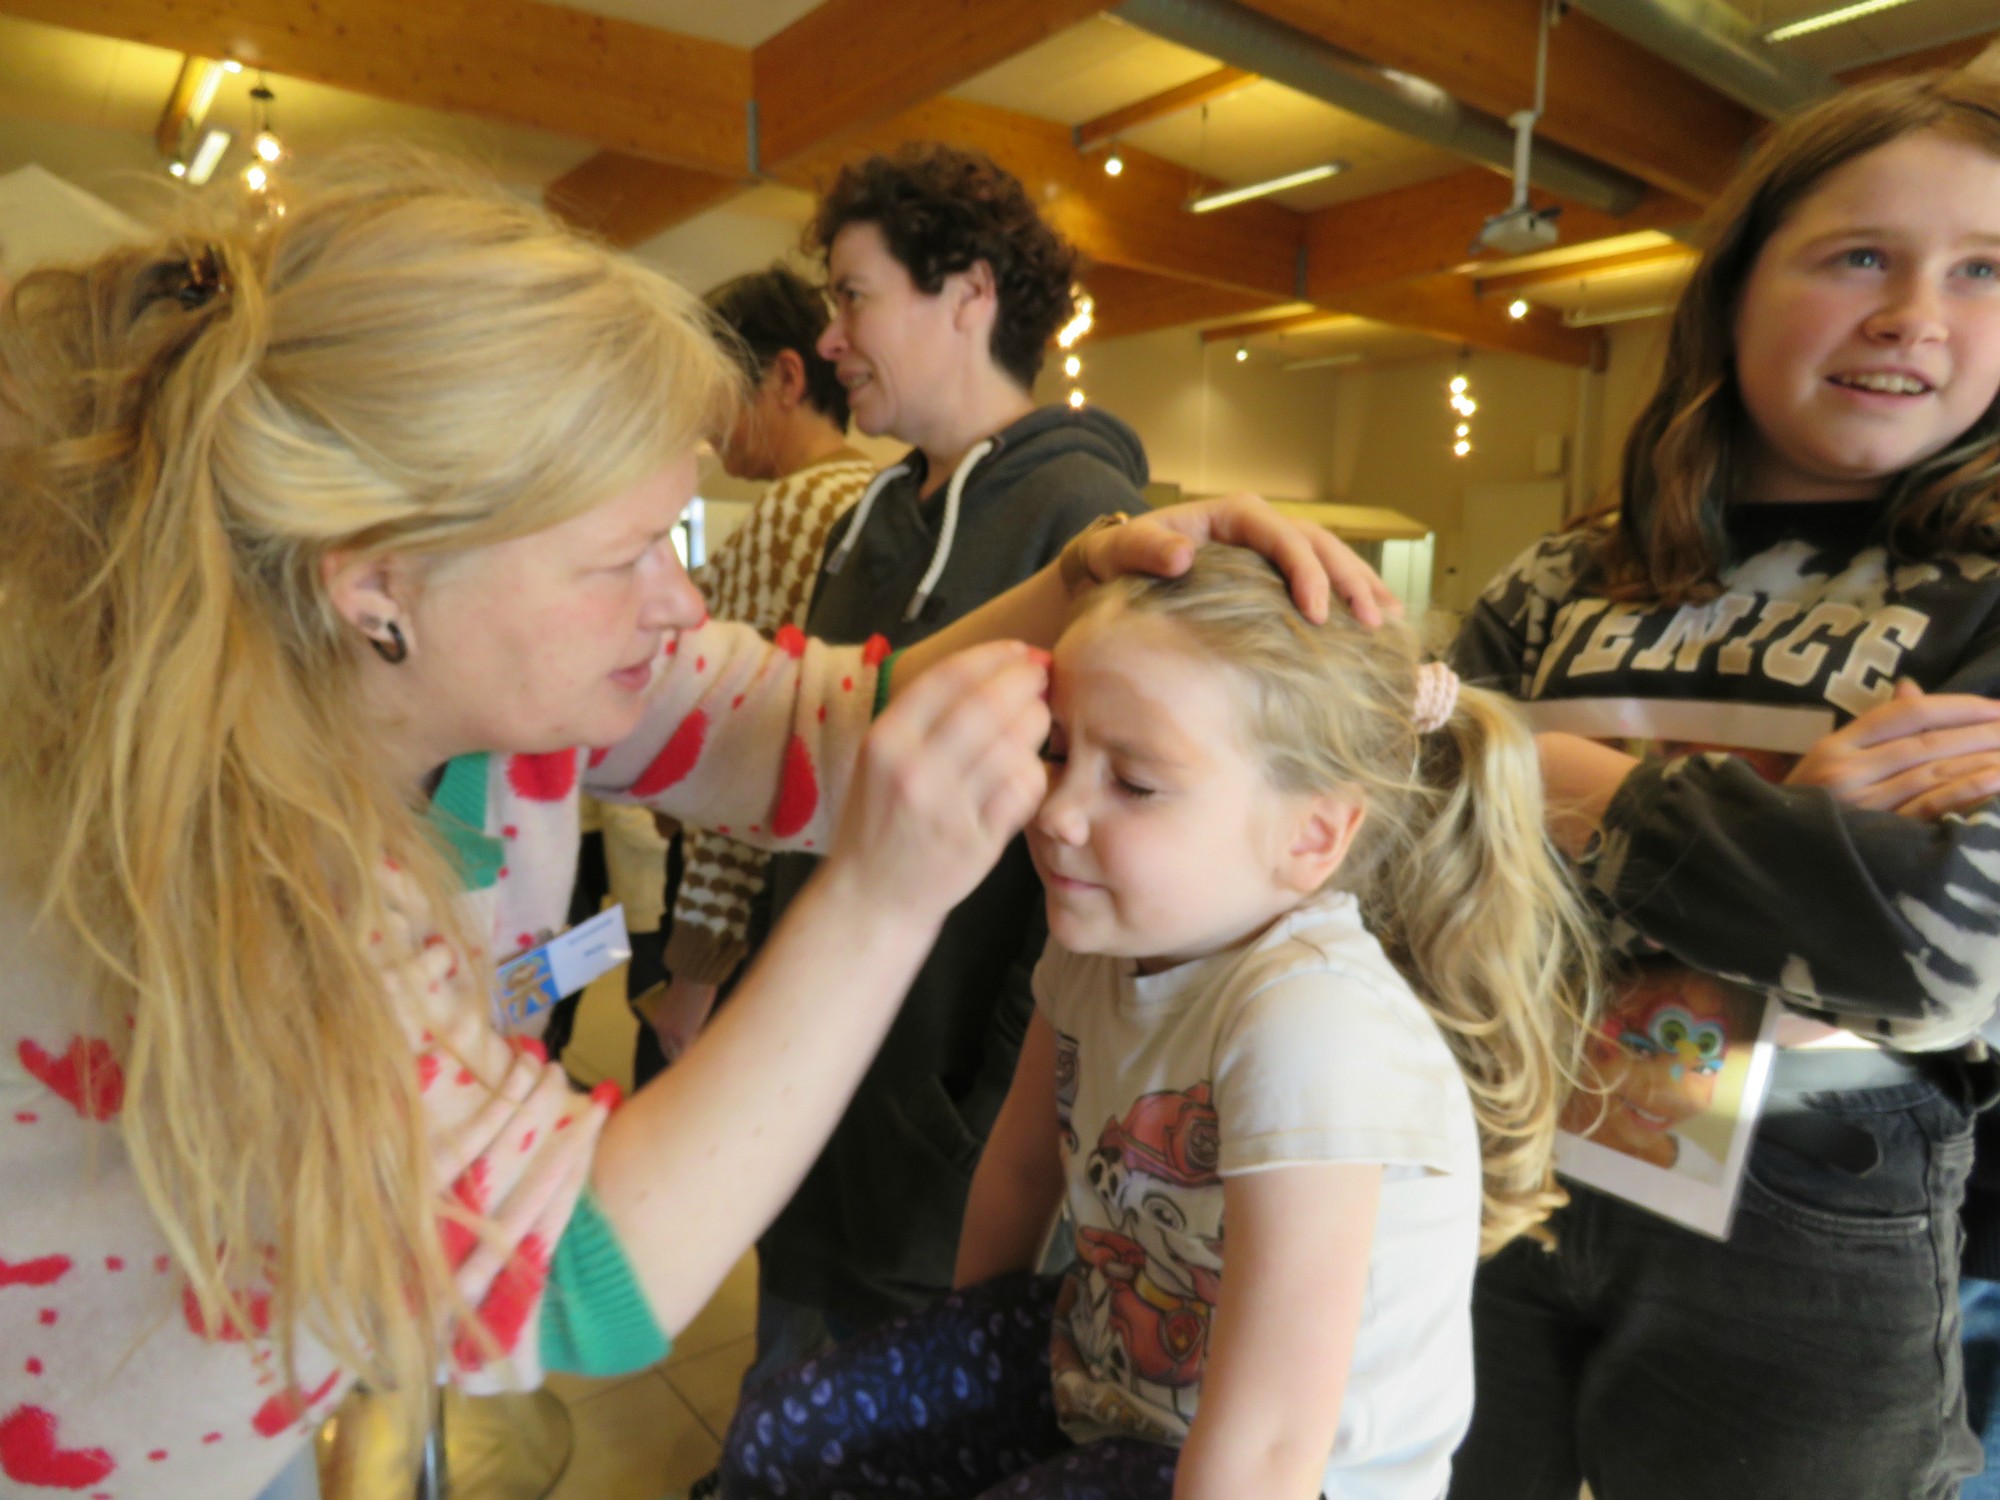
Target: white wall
<point x="1210" y="424"/>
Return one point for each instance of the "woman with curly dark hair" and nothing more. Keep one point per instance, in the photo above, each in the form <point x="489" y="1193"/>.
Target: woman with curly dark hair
<point x="946" y="287"/>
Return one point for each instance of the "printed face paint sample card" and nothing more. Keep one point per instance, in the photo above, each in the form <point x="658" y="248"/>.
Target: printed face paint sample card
<point x="1680" y="1060"/>
<point x="531" y="983"/>
<point x="1678" y="1067"/>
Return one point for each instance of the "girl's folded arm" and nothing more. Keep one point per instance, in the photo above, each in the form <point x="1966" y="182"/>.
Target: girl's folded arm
<point x="1283" y="1338"/>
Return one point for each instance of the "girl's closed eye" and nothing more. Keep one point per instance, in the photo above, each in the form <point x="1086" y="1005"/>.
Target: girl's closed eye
<point x="1135" y="790"/>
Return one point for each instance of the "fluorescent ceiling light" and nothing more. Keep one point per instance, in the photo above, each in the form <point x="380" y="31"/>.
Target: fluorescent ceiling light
<point x="206" y="157"/>
<point x="1260" y="189"/>
<point x="1582" y="319"/>
<point x="1828" y="18"/>
<point x="204" y="90"/>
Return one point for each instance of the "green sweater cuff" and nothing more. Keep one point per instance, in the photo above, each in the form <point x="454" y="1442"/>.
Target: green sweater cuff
<point x="595" y="1320"/>
<point x="882" y="684"/>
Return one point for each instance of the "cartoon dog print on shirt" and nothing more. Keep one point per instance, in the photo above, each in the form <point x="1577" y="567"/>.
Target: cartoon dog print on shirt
<point x="1133" y="1318"/>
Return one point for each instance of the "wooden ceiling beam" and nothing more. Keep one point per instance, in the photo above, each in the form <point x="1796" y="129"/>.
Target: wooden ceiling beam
<point x="820" y="78"/>
<point x="1101" y="131"/>
<point x="629" y="199"/>
<point x="1946" y="55"/>
<point x="1130" y="302"/>
<point x="1607" y="97"/>
<point x="632" y="88"/>
<point x="1571" y="270"/>
<point x="1297" y="322"/>
<point x="850" y="64"/>
<point x="1446" y="307"/>
<point x="1135" y="220"/>
<point x="1428" y="228"/>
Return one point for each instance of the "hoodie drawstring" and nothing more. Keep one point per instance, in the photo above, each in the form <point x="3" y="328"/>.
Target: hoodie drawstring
<point x="861" y="508"/>
<point x="949" y="528"/>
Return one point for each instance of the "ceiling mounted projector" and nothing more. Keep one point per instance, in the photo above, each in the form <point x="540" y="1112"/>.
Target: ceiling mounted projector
<point x="1519" y="230"/>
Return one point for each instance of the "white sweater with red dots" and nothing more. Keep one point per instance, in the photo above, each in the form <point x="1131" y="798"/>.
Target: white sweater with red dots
<point x="110" y="1384"/>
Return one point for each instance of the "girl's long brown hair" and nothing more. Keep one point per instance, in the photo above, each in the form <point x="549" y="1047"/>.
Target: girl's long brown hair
<point x="1670" y="543"/>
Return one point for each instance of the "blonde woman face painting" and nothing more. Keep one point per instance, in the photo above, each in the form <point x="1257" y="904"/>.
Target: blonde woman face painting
<point x="538" y="643"/>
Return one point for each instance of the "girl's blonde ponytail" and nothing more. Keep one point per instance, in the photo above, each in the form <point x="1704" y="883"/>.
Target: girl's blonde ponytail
<point x="1482" y="915"/>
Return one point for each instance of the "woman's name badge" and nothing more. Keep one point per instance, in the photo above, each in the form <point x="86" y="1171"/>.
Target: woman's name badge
<point x="537" y="979"/>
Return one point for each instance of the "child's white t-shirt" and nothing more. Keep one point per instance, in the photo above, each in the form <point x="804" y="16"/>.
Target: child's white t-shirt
<point x="1304" y="1046"/>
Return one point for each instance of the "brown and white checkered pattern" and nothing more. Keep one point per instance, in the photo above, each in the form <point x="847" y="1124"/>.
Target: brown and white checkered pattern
<point x="763" y="576"/>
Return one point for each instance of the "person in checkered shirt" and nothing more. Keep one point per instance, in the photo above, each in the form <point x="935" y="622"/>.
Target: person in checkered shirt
<point x="793" y="433"/>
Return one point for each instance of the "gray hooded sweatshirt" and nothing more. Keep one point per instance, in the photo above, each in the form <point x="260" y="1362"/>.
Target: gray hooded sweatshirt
<point x="873" y="1230"/>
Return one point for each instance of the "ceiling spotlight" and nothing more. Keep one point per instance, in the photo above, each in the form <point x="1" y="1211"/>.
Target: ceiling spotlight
<point x="257" y="178"/>
<point x="1113" y="164"/>
<point x="231" y="65"/>
<point x="1518" y="308"/>
<point x="269" y="146"/>
<point x="1072" y="367"/>
<point x="177" y="168"/>
<point x="1241" y="354"/>
<point x="1080" y="323"/>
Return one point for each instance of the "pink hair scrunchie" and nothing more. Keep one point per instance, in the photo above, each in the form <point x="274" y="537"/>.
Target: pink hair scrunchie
<point x="1437" y="696"/>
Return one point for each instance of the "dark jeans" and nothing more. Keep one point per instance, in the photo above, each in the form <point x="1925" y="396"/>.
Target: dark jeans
<point x="1979" y="1307"/>
<point x="1812" y="1357"/>
<point x="950" y="1403"/>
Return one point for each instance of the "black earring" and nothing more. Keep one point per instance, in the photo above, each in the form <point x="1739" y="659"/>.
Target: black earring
<point x="394" y="649"/>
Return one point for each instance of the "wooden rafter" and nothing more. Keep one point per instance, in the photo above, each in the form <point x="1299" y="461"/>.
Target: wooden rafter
<point x="1446" y="307"/>
<point x="1607" y="97"/>
<point x="1130" y="302"/>
<point x="1947" y="55"/>
<point x="1250" y="328"/>
<point x="830" y="72"/>
<point x="1102" y="130"/>
<point x="629" y="199"/>
<point x="1570" y="270"/>
<point x="1136" y="220"/>
<point x="1428" y="228"/>
<point x="633" y="88"/>
<point x="820" y="78"/>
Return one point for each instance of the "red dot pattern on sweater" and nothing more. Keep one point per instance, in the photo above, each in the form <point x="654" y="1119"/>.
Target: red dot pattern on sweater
<point x="289" y="1405"/>
<point x="791" y="640"/>
<point x="798" y="791"/>
<point x="86" y="1076"/>
<point x="676" y="758"/>
<point x="32" y="1453"/>
<point x="543" y="778"/>
<point x="46" y="1270"/>
<point x="508" y="1303"/>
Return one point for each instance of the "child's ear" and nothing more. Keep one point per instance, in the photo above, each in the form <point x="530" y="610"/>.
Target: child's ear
<point x="1323" y="835"/>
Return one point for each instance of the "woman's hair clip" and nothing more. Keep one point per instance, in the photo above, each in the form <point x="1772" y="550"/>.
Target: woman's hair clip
<point x="205" y="279"/>
<point x="193" y="283"/>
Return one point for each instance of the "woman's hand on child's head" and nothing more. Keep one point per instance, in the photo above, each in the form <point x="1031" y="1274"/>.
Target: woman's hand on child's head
<point x="949" y="773"/>
<point x="1317" y="563"/>
<point x="1919" y="754"/>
